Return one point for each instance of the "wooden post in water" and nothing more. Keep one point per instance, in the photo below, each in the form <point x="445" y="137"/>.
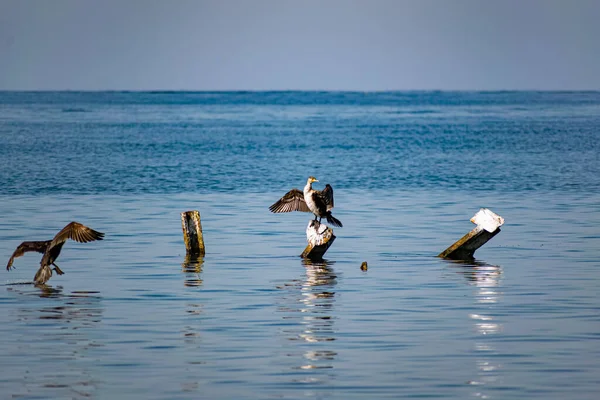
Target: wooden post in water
<point x="488" y="225"/>
<point x="192" y="233"/>
<point x="319" y="237"/>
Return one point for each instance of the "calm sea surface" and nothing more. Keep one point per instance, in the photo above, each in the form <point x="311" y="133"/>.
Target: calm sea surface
<point x="132" y="318"/>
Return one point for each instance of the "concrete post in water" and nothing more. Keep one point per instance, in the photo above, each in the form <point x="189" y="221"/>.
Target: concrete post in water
<point x="319" y="238"/>
<point x="192" y="233"/>
<point x="488" y="225"/>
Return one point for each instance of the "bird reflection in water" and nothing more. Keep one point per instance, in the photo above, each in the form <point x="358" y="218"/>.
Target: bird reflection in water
<point x="192" y="268"/>
<point x="78" y="308"/>
<point x="308" y="307"/>
<point x="65" y="325"/>
<point x="49" y="291"/>
<point x="486" y="279"/>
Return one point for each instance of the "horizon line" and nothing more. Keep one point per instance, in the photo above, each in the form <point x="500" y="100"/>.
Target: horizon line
<point x="295" y="90"/>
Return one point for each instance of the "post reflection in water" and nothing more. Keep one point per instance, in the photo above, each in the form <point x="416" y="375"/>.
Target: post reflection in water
<point x="192" y="341"/>
<point x="192" y="268"/>
<point x="59" y="330"/>
<point x="307" y="305"/>
<point x="486" y="279"/>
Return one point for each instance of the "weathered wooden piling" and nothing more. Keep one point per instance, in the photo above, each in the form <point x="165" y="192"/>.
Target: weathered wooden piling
<point x="319" y="237"/>
<point x="192" y="233"/>
<point x="488" y="225"/>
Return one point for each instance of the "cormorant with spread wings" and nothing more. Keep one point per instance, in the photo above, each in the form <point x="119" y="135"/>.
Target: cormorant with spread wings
<point x="51" y="249"/>
<point x="319" y="202"/>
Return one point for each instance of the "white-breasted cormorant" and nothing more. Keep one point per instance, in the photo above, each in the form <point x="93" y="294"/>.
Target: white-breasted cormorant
<point x="51" y="249"/>
<point x="319" y="202"/>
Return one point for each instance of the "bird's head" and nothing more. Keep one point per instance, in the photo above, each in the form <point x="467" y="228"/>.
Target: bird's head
<point x="312" y="179"/>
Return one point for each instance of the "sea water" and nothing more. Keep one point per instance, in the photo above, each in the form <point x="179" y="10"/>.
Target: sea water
<point x="133" y="318"/>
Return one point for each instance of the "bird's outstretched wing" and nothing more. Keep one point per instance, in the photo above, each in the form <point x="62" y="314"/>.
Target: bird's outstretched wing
<point x="291" y="201"/>
<point x="78" y="232"/>
<point x="327" y="196"/>
<point x="26" y="247"/>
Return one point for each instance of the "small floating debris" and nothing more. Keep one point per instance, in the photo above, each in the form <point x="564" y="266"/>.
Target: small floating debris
<point x="74" y="110"/>
<point x="364" y="266"/>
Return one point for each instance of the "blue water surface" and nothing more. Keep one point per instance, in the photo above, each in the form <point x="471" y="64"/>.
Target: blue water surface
<point x="134" y="318"/>
<point x="117" y="143"/>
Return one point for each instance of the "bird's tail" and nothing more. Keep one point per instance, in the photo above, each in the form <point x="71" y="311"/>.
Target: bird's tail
<point x="333" y="221"/>
<point x="43" y="274"/>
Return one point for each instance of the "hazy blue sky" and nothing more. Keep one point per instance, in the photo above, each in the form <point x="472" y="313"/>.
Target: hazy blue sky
<point x="302" y="44"/>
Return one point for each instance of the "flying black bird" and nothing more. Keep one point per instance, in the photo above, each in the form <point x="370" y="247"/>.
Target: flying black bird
<point x="319" y="202"/>
<point x="51" y="249"/>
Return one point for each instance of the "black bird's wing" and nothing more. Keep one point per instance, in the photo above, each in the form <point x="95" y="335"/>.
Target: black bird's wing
<point x="78" y="232"/>
<point x="26" y="247"/>
<point x="326" y="196"/>
<point x="291" y="201"/>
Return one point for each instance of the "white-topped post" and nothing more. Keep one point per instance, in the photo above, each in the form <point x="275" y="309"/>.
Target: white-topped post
<point x="319" y="237"/>
<point x="488" y="225"/>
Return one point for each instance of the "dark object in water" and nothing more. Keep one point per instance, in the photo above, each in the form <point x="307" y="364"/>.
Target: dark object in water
<point x="319" y="202"/>
<point x="364" y="266"/>
<point x="192" y="233"/>
<point x="488" y="225"/>
<point x="51" y="249"/>
<point x="319" y="237"/>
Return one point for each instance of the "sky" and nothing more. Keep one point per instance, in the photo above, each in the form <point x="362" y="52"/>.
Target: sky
<point x="364" y="45"/>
